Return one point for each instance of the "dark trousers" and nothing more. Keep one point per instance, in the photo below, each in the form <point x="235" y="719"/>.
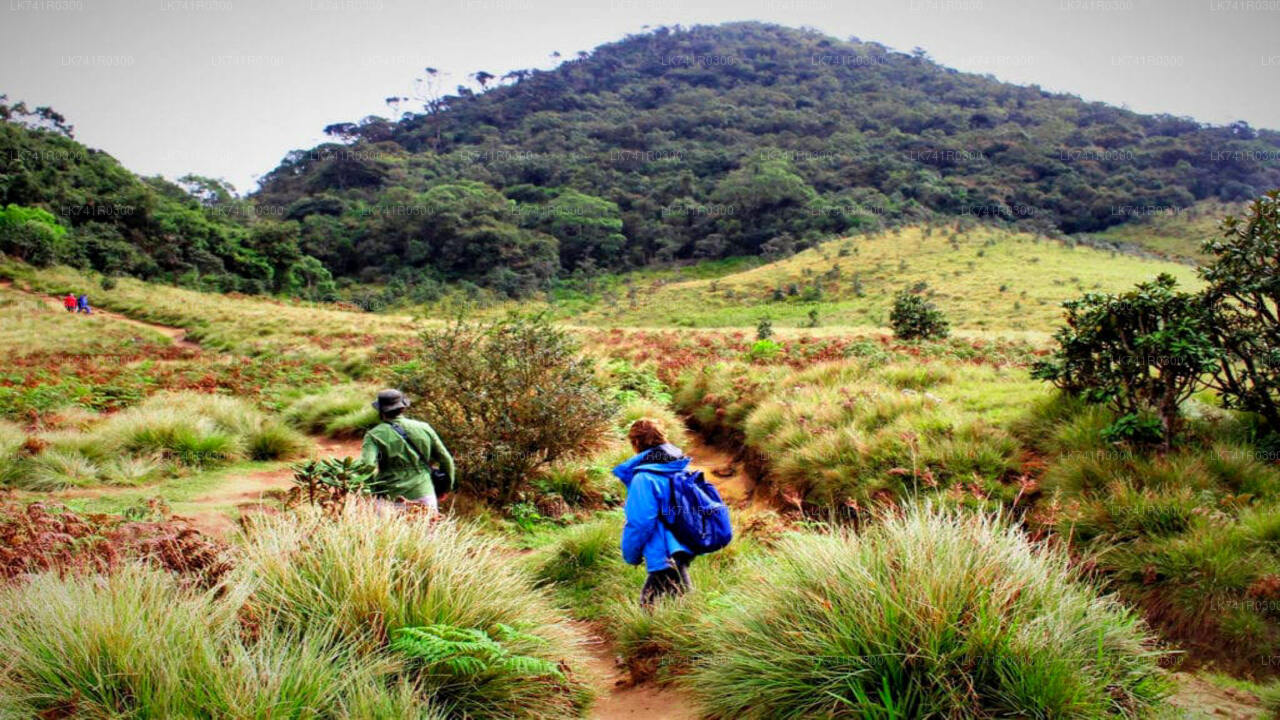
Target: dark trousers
<point x="672" y="581"/>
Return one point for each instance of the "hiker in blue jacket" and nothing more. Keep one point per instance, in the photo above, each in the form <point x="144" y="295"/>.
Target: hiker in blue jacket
<point x="646" y="477"/>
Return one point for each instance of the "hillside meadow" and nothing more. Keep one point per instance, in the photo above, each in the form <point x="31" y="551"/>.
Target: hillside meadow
<point x="985" y="279"/>
<point x="892" y="499"/>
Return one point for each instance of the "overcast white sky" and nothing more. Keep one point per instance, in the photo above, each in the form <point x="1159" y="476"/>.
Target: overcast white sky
<point x="227" y="87"/>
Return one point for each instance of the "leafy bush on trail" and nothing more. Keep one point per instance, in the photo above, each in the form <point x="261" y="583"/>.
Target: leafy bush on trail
<point x="508" y="397"/>
<point x="925" y="614"/>
<point x="329" y="482"/>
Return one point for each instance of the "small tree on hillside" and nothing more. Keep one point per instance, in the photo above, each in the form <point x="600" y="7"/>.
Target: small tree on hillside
<point x="1244" y="291"/>
<point x="914" y="317"/>
<point x="508" y="398"/>
<point x="1142" y="352"/>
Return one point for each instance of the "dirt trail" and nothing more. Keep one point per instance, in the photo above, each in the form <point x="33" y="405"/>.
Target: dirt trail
<point x="617" y="698"/>
<point x="1197" y="697"/>
<point x="246" y="493"/>
<point x="176" y="334"/>
<point x="726" y="470"/>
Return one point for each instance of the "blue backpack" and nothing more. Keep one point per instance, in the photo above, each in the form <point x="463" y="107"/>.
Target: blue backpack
<point x="695" y="514"/>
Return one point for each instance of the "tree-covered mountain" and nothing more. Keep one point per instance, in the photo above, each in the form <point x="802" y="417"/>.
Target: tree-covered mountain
<point x="736" y="139"/>
<point x="63" y="202"/>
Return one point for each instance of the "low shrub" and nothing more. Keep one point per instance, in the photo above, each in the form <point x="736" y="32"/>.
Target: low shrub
<point x="925" y="614"/>
<point x="1142" y="353"/>
<point x="509" y="398"/>
<point x="1243" y="296"/>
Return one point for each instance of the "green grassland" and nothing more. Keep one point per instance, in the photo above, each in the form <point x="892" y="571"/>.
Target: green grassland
<point x="987" y="280"/>
<point x="1177" y="235"/>
<point x="984" y="279"/>
<point x="242" y="324"/>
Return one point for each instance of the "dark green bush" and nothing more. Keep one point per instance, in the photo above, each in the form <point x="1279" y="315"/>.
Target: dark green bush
<point x="914" y="317"/>
<point x="1142" y="352"/>
<point x="508" y="397"/>
<point x="1246" y="298"/>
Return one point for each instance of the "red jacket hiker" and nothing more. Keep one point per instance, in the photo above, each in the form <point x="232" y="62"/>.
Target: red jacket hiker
<point x="69" y="302"/>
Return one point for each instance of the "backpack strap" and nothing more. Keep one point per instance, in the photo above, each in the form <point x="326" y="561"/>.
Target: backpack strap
<point x="405" y="436"/>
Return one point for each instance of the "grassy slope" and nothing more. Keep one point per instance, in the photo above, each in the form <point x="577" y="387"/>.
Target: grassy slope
<point x="1178" y="235"/>
<point x="987" y="279"/>
<point x="244" y="324"/>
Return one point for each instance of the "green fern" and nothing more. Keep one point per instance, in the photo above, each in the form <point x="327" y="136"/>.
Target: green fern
<point x="469" y="652"/>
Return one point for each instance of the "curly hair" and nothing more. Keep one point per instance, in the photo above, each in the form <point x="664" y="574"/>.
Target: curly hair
<point x="646" y="433"/>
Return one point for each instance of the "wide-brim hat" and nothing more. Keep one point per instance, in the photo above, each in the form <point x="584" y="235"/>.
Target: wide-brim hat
<point x="389" y="400"/>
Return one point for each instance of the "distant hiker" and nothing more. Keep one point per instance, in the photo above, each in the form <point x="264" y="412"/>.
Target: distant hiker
<point x="82" y="305"/>
<point x="69" y="302"/>
<point x="403" y="450"/>
<point x="645" y="537"/>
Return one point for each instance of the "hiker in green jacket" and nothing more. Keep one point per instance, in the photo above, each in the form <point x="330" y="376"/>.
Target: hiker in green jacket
<point x="403" y="450"/>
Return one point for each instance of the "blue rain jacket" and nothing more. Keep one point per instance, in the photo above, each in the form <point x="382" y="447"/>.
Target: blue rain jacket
<point x="644" y="535"/>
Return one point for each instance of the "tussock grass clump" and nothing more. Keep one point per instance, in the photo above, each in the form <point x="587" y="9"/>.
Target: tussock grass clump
<point x="853" y="432"/>
<point x="138" y="644"/>
<point x="11" y="440"/>
<point x="165" y="434"/>
<point x="341" y="411"/>
<point x="373" y="574"/>
<point x="56" y="470"/>
<point x="719" y="397"/>
<point x="1189" y="536"/>
<point x="582" y="557"/>
<point x="305" y="626"/>
<point x="1211" y="582"/>
<point x="926" y="614"/>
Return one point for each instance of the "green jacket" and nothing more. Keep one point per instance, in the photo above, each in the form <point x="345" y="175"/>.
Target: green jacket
<point x="404" y="468"/>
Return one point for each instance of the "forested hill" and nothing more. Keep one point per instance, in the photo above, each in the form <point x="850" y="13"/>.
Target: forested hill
<point x="741" y="138"/>
<point x="62" y="202"/>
